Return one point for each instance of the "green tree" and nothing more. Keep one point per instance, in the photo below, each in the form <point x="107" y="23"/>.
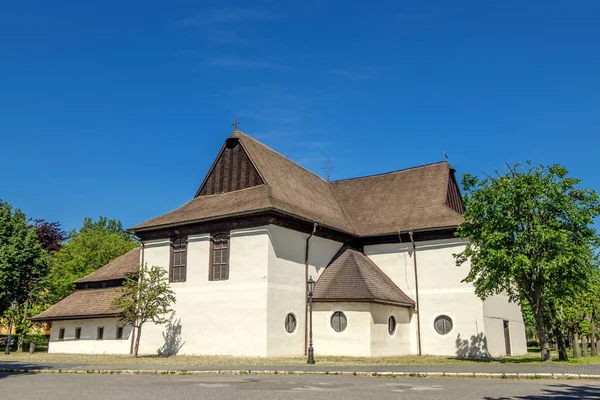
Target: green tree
<point x="23" y="261"/>
<point x="146" y="296"/>
<point x="529" y="234"/>
<point x="94" y="245"/>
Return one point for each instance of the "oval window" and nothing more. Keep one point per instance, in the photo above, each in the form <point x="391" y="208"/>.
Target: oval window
<point x="443" y="324"/>
<point x="290" y="323"/>
<point x="338" y="321"/>
<point x="391" y="325"/>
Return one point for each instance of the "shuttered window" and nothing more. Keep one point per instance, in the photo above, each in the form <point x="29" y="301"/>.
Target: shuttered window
<point x="178" y="259"/>
<point x="219" y="257"/>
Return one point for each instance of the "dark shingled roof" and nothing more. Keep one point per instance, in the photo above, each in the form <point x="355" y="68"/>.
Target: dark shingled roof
<point x="288" y="188"/>
<point x="414" y="198"/>
<point x="92" y="303"/>
<point x="117" y="269"/>
<point x="353" y="277"/>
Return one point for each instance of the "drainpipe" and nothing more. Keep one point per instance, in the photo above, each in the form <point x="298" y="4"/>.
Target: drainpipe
<point x="306" y="288"/>
<point x="418" y="310"/>
<point x="132" y="330"/>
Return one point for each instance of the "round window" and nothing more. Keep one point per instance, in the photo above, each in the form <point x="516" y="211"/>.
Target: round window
<point x="391" y="325"/>
<point x="290" y="323"/>
<point x="443" y="324"/>
<point x="338" y="321"/>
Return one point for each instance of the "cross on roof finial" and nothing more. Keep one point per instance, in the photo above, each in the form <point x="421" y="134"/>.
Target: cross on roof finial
<point x="235" y="124"/>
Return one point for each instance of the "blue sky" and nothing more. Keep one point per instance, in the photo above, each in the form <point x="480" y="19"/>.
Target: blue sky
<point x="119" y="108"/>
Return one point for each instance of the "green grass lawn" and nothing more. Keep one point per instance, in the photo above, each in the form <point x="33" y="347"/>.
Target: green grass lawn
<point x="217" y="361"/>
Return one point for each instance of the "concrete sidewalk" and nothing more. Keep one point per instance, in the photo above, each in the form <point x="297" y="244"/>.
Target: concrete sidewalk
<point x="507" y="370"/>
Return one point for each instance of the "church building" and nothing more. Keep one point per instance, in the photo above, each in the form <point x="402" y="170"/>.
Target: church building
<point x="240" y="253"/>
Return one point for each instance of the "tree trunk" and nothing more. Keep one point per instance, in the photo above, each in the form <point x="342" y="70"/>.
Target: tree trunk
<point x="594" y="341"/>
<point x="584" y="343"/>
<point x="561" y="344"/>
<point x="137" y="341"/>
<point x="20" y="339"/>
<point x="575" y="345"/>
<point x="540" y="324"/>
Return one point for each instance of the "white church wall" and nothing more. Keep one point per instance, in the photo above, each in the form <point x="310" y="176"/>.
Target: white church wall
<point x="287" y="285"/>
<point x="441" y="292"/>
<point x="215" y="317"/>
<point x="402" y="341"/>
<point x="496" y="310"/>
<point x="88" y="342"/>
<point x="354" y="341"/>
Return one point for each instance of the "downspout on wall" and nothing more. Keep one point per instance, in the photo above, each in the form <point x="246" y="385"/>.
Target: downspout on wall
<point x="306" y="288"/>
<point x="417" y="309"/>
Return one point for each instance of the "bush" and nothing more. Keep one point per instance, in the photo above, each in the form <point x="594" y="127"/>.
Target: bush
<point x="41" y="342"/>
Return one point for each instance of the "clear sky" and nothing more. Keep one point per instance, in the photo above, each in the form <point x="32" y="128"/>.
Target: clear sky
<point x="118" y="108"/>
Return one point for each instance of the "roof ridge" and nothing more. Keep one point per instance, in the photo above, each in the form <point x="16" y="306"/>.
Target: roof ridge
<point x="244" y="135"/>
<point x="392" y="172"/>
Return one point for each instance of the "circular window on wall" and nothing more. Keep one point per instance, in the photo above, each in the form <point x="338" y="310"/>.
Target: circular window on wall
<point x="290" y="323"/>
<point x="338" y="321"/>
<point x="391" y="325"/>
<point x="443" y="324"/>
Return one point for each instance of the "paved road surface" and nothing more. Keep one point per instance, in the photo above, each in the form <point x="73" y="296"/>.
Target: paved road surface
<point x="219" y="387"/>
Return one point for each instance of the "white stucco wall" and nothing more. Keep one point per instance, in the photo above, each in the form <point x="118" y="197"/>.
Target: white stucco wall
<point x="496" y="310"/>
<point x="355" y="340"/>
<point x="287" y="285"/>
<point x="216" y="317"/>
<point x="366" y="334"/>
<point x="441" y="292"/>
<point x="88" y="343"/>
<point x="402" y="341"/>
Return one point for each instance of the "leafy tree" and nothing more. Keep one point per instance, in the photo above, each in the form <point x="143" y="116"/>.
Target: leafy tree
<point x="23" y="261"/>
<point x="96" y="244"/>
<point x="50" y="234"/>
<point x="529" y="234"/>
<point x="146" y="296"/>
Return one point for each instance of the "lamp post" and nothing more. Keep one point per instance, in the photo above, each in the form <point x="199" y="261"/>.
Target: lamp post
<point x="310" y="284"/>
<point x="13" y="307"/>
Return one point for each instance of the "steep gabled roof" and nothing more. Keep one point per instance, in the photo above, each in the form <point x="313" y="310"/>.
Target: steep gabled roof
<point x="351" y="276"/>
<point x="414" y="198"/>
<point x="117" y="269"/>
<point x="93" y="303"/>
<point x="287" y="187"/>
<point x="417" y="198"/>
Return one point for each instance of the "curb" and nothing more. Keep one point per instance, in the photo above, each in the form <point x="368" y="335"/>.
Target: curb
<point x="485" y="375"/>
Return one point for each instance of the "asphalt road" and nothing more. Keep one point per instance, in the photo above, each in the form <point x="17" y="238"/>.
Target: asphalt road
<point x="220" y="387"/>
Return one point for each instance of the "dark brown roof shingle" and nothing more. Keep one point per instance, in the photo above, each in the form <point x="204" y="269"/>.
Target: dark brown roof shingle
<point x="117" y="269"/>
<point x="353" y="277"/>
<point x="92" y="303"/>
<point x="413" y="198"/>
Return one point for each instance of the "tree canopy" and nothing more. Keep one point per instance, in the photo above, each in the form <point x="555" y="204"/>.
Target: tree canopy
<point x="530" y="236"/>
<point x="94" y="245"/>
<point x="146" y="296"/>
<point x="23" y="261"/>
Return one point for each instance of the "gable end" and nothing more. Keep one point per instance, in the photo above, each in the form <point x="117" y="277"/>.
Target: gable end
<point x="453" y="197"/>
<point x="231" y="171"/>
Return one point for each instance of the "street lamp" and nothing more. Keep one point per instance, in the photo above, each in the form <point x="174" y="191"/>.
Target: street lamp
<point x="13" y="307"/>
<point x="310" y="285"/>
